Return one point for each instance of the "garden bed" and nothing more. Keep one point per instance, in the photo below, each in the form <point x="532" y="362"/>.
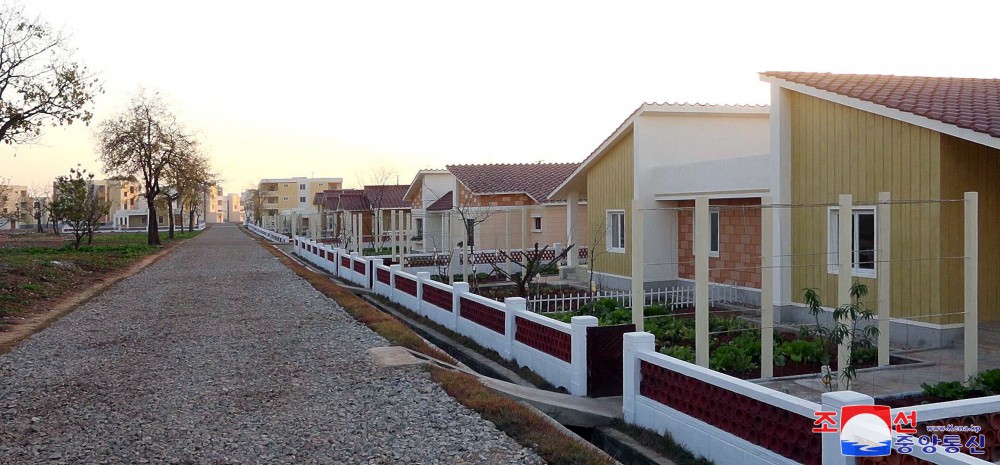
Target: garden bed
<point x="734" y="342"/>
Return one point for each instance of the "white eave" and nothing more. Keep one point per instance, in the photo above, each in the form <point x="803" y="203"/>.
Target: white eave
<point x="871" y="107"/>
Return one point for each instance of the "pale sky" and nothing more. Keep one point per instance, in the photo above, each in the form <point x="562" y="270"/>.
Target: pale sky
<point x="338" y="89"/>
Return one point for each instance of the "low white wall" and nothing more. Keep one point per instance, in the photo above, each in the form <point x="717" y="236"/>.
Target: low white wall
<point x="268" y="234"/>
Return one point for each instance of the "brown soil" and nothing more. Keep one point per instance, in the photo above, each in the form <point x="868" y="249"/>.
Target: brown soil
<point x="45" y="312"/>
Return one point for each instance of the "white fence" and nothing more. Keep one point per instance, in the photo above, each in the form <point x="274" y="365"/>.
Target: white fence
<point x="677" y="297"/>
<point x="268" y="234"/>
<point x="758" y="426"/>
<point x="553" y="349"/>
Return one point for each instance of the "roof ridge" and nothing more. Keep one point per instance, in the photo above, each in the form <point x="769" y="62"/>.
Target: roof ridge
<point x="876" y="75"/>
<point x="520" y="164"/>
<point x="710" y="105"/>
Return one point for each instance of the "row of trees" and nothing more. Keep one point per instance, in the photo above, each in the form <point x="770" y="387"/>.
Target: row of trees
<point x="41" y="84"/>
<point x="147" y="143"/>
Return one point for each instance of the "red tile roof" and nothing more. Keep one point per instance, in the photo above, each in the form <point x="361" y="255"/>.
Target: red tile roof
<point x="388" y="196"/>
<point x="536" y="180"/>
<point x="964" y="102"/>
<point x="442" y="203"/>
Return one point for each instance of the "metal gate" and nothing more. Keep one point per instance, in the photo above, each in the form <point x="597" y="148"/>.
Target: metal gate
<point x="604" y="359"/>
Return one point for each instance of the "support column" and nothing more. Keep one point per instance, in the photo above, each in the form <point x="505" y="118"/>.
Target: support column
<point x="971" y="275"/>
<point x="884" y="266"/>
<point x="845" y="227"/>
<point x="766" y="288"/>
<point x="524" y="229"/>
<point x="394" y="235"/>
<point x="701" y="249"/>
<point x="638" y="270"/>
<point x="572" y="220"/>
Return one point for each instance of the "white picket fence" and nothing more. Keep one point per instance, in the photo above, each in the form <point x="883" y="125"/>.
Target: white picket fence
<point x="676" y="296"/>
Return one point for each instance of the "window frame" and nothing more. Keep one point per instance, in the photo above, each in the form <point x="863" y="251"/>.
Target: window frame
<point x="832" y="242"/>
<point x="610" y="241"/>
<point x="302" y="199"/>
<point x="714" y="219"/>
<point x="536" y="223"/>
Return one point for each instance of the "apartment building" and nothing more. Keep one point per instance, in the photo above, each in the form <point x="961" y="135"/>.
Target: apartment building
<point x="14" y="208"/>
<point x="288" y="202"/>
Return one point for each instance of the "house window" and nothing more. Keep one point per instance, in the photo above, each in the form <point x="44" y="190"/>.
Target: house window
<point x="284" y="199"/>
<point x="302" y="187"/>
<point x="536" y="223"/>
<point x="419" y="224"/>
<point x="713" y="238"/>
<point x="713" y="242"/>
<point x="302" y="199"/>
<point x="862" y="242"/>
<point x="616" y="231"/>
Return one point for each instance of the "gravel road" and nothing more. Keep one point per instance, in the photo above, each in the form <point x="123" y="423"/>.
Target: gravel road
<point x="219" y="354"/>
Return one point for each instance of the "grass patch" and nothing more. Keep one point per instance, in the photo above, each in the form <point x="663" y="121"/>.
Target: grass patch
<point x="393" y="330"/>
<point x="518" y="421"/>
<point x="35" y="268"/>
<point x="664" y="444"/>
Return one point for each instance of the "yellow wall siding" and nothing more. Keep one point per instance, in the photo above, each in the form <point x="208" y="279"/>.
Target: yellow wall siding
<point x="610" y="187"/>
<point x="970" y="167"/>
<point x="841" y="150"/>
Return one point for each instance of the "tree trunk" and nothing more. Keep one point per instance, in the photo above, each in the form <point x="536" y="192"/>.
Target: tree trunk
<point x="170" y="213"/>
<point x="181" y="215"/>
<point x="55" y="226"/>
<point x="191" y="220"/>
<point x="152" y="228"/>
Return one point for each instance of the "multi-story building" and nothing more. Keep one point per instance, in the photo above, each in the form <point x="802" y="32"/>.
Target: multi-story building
<point x="288" y="202"/>
<point x="234" y="209"/>
<point x="14" y="207"/>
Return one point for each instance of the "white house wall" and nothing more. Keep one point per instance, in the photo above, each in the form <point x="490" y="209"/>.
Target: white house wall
<point x="670" y="139"/>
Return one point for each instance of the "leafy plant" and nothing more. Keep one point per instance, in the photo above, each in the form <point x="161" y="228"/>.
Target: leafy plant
<point x="988" y="382"/>
<point x="731" y="358"/>
<point x="847" y="326"/>
<point x="804" y="351"/>
<point x="948" y="390"/>
<point x="679" y="352"/>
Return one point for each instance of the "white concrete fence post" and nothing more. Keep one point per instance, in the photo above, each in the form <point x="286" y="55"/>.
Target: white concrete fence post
<point x="833" y="402"/>
<point x="422" y="277"/>
<point x="633" y="344"/>
<point x="766" y="288"/>
<point x="578" y="353"/>
<point x="456" y="303"/>
<point x="512" y="306"/>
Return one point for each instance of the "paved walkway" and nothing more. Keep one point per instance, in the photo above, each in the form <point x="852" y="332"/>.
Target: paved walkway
<point x="219" y="354"/>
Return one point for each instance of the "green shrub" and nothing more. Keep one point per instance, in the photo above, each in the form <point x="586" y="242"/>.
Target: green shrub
<point x="988" y="382"/>
<point x="804" y="351"/>
<point x="679" y="352"/>
<point x="731" y="358"/>
<point x="948" y="390"/>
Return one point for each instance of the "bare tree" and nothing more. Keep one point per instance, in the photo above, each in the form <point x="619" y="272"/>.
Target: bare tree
<point x="183" y="177"/>
<point x="533" y="264"/>
<point x="377" y="202"/>
<point x="253" y="205"/>
<point x="143" y="140"/>
<point x="595" y="249"/>
<point x="40" y="82"/>
<point x="37" y="206"/>
<point x="472" y="214"/>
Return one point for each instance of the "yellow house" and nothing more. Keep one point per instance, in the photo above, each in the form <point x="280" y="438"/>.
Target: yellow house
<point x="924" y="140"/>
<point x="288" y="202"/>
<point x="661" y="156"/>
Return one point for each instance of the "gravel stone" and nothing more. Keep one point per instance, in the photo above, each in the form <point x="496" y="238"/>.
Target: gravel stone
<point x="219" y="354"/>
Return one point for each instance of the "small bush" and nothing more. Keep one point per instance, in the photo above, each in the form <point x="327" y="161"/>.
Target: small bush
<point x="988" y="382"/>
<point x="804" y="351"/>
<point x="948" y="390"/>
<point x="679" y="352"/>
